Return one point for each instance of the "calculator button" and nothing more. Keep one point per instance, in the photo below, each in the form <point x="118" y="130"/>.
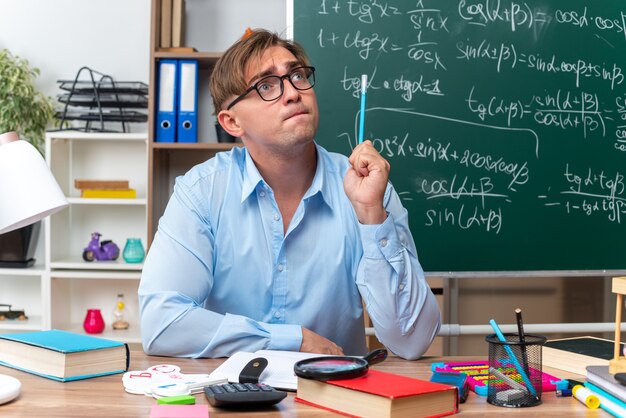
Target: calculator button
<point x="238" y="395"/>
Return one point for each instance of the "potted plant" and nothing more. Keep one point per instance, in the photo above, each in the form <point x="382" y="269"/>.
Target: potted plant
<point x="23" y="108"/>
<point x="27" y="111"/>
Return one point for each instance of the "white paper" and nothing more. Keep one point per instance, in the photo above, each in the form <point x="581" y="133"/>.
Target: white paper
<point x="278" y="373"/>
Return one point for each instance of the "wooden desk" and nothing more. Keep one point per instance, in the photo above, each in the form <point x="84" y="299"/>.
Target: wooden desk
<point x="105" y="396"/>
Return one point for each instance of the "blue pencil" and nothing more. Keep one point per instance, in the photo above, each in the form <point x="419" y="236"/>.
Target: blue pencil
<point x="362" y="115"/>
<point x="518" y="366"/>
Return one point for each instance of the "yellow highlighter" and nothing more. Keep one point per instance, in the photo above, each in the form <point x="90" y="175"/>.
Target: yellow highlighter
<point x="585" y="396"/>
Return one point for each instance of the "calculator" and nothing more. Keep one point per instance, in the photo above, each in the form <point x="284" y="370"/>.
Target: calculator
<point x="243" y="395"/>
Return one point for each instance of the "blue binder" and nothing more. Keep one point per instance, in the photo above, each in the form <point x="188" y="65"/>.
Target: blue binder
<point x="187" y="129"/>
<point x="166" y="101"/>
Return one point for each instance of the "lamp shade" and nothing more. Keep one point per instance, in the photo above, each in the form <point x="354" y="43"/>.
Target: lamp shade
<point x="28" y="190"/>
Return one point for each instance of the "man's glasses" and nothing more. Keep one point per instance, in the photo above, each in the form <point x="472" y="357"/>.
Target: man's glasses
<point x="272" y="87"/>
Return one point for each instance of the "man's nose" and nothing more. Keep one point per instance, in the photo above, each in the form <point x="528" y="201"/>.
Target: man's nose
<point x="290" y="93"/>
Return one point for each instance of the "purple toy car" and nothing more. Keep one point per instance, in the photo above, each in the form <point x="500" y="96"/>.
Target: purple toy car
<point x="101" y="251"/>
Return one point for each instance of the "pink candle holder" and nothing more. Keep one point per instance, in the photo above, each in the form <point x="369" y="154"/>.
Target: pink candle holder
<point x="94" y="323"/>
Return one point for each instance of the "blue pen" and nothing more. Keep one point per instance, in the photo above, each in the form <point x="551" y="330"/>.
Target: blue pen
<point x="518" y="366"/>
<point x="362" y="115"/>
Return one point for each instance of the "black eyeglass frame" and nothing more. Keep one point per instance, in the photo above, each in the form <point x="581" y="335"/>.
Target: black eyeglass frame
<point x="282" y="85"/>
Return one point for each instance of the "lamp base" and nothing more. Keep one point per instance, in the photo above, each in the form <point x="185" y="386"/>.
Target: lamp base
<point x="17" y="247"/>
<point x="17" y="264"/>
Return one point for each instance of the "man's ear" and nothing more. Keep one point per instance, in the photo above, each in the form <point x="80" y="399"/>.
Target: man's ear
<point x="229" y="123"/>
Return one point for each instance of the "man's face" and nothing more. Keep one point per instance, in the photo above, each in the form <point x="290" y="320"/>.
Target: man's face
<point x="290" y="120"/>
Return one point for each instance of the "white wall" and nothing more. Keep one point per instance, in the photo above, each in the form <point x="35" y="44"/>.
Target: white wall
<point x="113" y="36"/>
<point x="61" y="36"/>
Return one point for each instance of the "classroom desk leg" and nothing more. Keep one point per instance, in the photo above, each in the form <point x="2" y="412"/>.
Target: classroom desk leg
<point x="451" y="313"/>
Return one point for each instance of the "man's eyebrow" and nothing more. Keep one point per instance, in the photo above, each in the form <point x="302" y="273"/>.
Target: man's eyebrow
<point x="272" y="70"/>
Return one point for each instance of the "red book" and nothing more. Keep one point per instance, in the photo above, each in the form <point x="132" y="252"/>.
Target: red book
<point x="380" y="394"/>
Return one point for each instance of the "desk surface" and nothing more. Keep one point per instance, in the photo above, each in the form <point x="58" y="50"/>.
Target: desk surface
<point x="105" y="396"/>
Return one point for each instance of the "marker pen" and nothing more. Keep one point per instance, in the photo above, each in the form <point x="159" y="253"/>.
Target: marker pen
<point x="362" y="114"/>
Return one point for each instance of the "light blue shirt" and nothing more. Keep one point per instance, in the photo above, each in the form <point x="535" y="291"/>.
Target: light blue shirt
<point x="221" y="275"/>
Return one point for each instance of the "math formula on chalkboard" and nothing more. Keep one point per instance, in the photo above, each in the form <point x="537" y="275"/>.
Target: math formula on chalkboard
<point x="504" y="122"/>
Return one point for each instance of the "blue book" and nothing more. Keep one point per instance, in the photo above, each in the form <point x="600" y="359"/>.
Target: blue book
<point x="62" y="355"/>
<point x="600" y="376"/>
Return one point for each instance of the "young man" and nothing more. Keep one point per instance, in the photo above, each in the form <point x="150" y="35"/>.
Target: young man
<point x="276" y="245"/>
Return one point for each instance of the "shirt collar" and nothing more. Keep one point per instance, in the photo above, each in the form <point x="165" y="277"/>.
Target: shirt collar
<point x="252" y="177"/>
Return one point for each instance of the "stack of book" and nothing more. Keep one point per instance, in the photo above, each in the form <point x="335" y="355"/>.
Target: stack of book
<point x="62" y="355"/>
<point x="612" y="394"/>
<point x="173" y="26"/>
<point x="381" y="395"/>
<point x="575" y="354"/>
<point x="105" y="189"/>
<point x="589" y="356"/>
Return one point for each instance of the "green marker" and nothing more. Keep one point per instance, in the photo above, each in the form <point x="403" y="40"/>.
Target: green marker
<point x="177" y="400"/>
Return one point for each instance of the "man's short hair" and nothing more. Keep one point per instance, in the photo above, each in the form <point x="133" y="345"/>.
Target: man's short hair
<point x="228" y="76"/>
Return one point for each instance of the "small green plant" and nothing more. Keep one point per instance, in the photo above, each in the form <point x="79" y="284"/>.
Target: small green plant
<point x="22" y="108"/>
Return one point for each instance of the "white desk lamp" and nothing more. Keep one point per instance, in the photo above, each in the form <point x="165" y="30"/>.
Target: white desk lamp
<point x="28" y="190"/>
<point x="28" y="193"/>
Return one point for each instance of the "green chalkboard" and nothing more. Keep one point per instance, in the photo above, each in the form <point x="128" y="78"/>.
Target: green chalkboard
<point x="504" y="122"/>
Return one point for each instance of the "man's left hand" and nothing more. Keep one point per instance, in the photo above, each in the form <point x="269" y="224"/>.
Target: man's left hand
<point x="365" y="183"/>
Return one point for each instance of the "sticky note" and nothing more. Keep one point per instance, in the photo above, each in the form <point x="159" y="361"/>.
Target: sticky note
<point x="177" y="400"/>
<point x="179" y="411"/>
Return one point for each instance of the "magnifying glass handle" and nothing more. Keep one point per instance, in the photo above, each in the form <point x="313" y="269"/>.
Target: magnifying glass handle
<point x="376" y="356"/>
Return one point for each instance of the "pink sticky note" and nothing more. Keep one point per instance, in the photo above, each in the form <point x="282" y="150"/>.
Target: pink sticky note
<point x="179" y="411"/>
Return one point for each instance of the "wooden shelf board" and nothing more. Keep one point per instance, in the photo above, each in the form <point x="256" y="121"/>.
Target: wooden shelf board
<point x="97" y="136"/>
<point x="217" y="146"/>
<point x="36" y="270"/>
<point x="108" y="267"/>
<point x="130" y="335"/>
<point x="141" y="201"/>
<point x="202" y="56"/>
<point x="33" y="323"/>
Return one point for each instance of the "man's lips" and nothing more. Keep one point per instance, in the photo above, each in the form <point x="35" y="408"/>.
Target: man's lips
<point x="297" y="113"/>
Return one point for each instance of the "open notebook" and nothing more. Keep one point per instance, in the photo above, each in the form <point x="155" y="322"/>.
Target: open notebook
<point x="278" y="373"/>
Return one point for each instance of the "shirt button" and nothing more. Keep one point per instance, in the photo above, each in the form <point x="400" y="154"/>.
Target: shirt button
<point x="383" y="242"/>
<point x="277" y="314"/>
<point x="281" y="267"/>
<point x="401" y="287"/>
<point x="262" y="194"/>
<point x="276" y="217"/>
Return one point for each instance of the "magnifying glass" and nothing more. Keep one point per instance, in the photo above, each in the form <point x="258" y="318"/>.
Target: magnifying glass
<point x="338" y="367"/>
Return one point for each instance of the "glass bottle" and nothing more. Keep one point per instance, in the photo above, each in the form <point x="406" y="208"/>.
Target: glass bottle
<point x="133" y="251"/>
<point x="118" y="313"/>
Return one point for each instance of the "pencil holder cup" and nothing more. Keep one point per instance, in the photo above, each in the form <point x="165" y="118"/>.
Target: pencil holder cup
<point x="515" y="370"/>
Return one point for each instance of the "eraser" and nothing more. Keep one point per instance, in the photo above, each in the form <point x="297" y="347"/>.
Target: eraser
<point x="510" y="395"/>
<point x="177" y="400"/>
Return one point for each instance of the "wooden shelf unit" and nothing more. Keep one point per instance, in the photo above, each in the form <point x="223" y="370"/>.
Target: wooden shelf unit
<point x="168" y="160"/>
